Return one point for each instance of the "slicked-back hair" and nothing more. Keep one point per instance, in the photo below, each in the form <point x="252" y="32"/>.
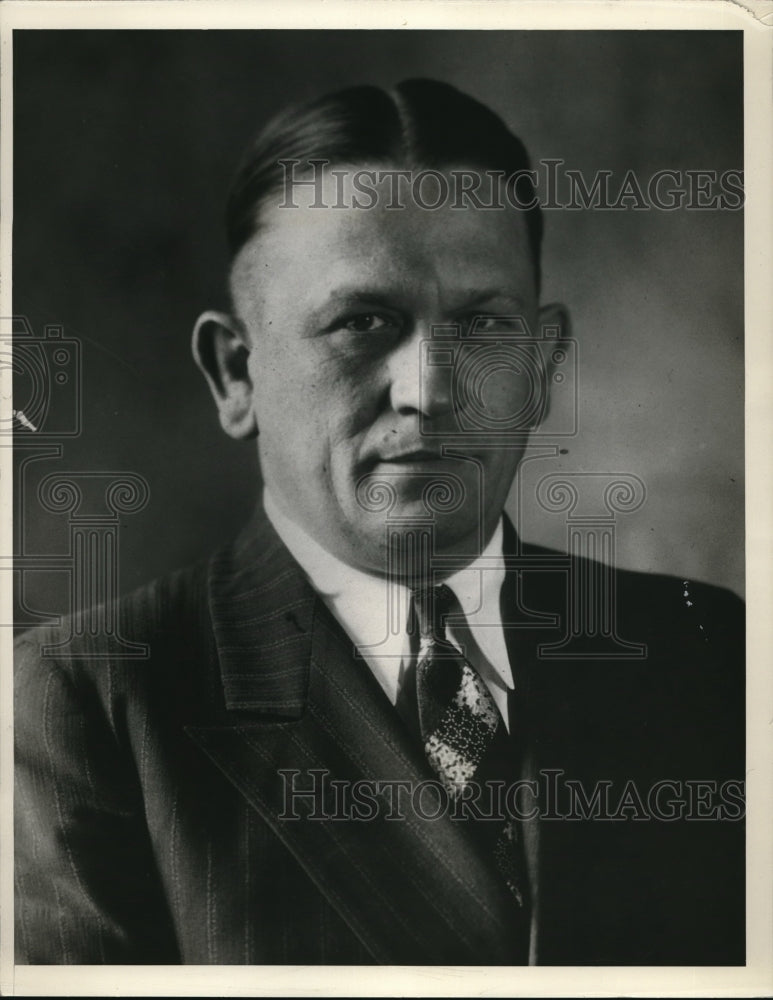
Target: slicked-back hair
<point x="420" y="124"/>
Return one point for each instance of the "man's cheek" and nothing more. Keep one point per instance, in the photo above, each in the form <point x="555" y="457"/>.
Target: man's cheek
<point x="508" y="398"/>
<point x="349" y="401"/>
<point x="291" y="393"/>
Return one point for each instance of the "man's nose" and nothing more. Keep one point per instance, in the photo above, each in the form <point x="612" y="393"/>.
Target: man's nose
<point x="419" y="386"/>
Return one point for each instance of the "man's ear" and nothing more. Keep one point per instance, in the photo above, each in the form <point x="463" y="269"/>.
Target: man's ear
<point x="555" y="317"/>
<point x="221" y="352"/>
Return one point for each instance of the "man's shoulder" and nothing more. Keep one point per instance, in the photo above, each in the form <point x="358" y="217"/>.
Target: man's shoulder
<point x="165" y="632"/>
<point x="708" y="612"/>
<point x="168" y="611"/>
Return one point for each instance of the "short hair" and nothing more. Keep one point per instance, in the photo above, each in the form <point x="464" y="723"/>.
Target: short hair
<point x="420" y="123"/>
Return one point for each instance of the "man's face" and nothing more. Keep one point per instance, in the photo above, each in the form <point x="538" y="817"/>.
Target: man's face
<point x="336" y="304"/>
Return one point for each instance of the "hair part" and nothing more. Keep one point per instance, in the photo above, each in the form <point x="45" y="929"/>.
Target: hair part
<point x="419" y="124"/>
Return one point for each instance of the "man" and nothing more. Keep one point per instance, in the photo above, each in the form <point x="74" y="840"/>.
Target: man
<point x="362" y="733"/>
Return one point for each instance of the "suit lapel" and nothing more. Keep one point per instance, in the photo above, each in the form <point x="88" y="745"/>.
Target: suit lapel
<point x="301" y="714"/>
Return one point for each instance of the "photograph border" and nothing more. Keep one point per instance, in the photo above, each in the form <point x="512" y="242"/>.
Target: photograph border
<point x="756" y="979"/>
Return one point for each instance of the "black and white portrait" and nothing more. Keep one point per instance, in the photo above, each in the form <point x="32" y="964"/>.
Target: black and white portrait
<point x="378" y="456"/>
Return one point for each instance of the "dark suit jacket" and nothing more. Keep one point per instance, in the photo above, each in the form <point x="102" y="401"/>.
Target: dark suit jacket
<point x="149" y="797"/>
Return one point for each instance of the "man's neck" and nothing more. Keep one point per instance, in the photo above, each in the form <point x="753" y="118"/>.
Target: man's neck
<point x="313" y="554"/>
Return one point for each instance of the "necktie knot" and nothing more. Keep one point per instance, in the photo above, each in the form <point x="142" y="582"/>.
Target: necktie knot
<point x="431" y="606"/>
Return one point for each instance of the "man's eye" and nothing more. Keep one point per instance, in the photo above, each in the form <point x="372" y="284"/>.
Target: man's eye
<point x="492" y="324"/>
<point x="367" y="323"/>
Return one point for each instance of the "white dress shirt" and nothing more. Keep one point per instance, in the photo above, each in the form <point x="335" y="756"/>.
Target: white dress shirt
<point x="373" y="611"/>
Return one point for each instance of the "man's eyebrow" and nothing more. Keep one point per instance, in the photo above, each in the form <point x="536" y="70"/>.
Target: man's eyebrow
<point x="477" y="296"/>
<point x="388" y="297"/>
<point x="357" y="294"/>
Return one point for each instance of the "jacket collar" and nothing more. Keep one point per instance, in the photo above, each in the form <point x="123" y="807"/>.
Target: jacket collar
<point x="262" y="610"/>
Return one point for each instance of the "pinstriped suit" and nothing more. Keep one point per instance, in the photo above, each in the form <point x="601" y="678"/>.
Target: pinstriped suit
<point x="149" y="799"/>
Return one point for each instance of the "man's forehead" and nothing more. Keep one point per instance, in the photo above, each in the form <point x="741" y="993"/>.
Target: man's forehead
<point x="389" y="274"/>
<point x="339" y="240"/>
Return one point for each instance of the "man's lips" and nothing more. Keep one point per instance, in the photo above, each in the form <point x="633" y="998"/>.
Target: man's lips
<point x="414" y="456"/>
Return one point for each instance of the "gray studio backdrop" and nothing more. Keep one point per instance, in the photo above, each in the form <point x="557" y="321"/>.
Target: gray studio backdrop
<point x="125" y="143"/>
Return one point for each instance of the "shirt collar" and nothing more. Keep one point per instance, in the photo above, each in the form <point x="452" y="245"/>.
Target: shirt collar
<point x="360" y="601"/>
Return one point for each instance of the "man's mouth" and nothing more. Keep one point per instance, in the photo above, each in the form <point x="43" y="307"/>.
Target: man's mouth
<point x="413" y="457"/>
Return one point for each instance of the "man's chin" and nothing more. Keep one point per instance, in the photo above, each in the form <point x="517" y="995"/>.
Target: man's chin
<point x="418" y="490"/>
<point x="407" y="543"/>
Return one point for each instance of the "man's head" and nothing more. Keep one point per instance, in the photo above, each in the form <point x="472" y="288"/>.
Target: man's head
<point x="328" y="351"/>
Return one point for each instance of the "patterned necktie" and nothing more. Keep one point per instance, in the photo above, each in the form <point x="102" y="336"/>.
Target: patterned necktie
<point x="460" y="724"/>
